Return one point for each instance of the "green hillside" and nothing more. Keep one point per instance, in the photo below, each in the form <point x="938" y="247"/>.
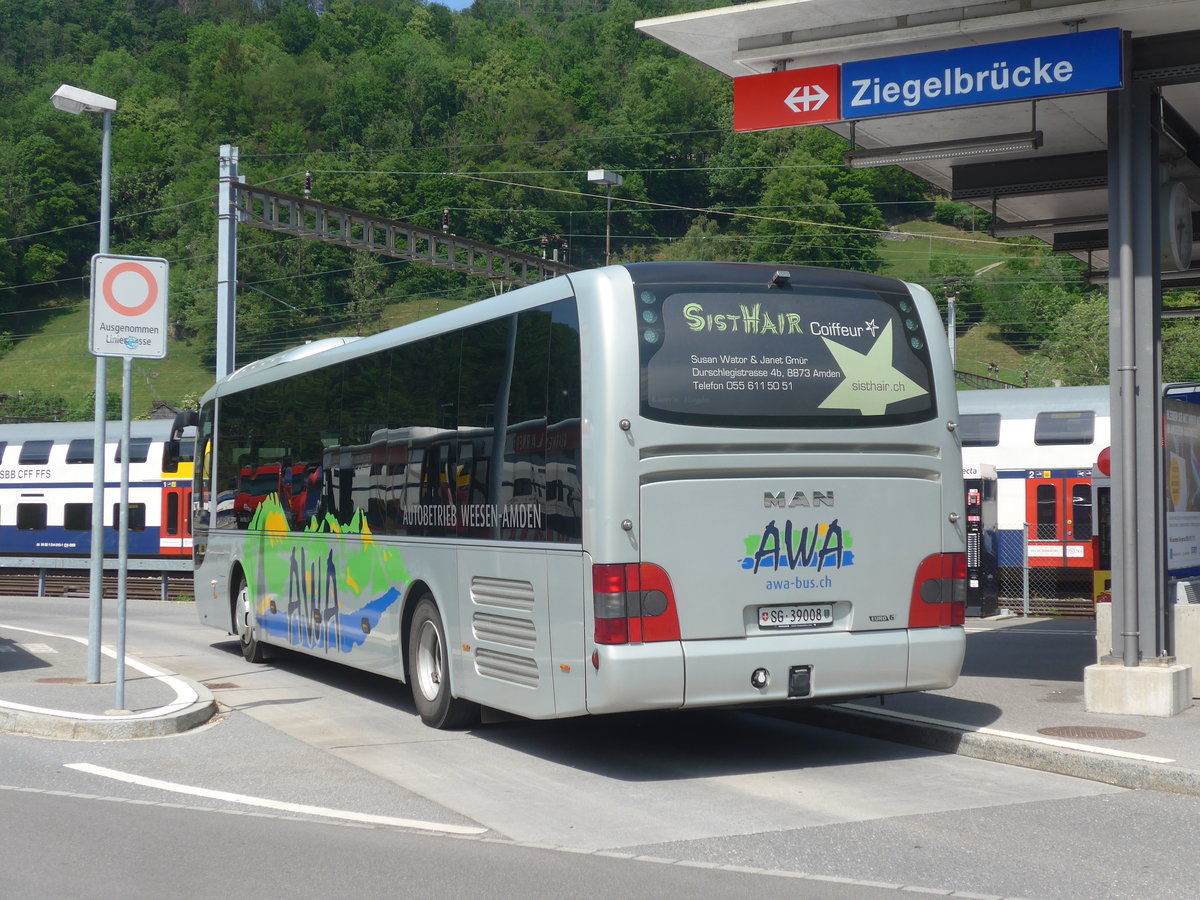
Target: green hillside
<point x="909" y="251"/>
<point x="483" y="121"/>
<point x="55" y="362"/>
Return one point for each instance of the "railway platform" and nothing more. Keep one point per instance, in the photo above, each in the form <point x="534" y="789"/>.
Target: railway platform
<point x="1020" y="700"/>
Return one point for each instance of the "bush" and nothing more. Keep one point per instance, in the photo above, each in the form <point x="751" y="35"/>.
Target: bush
<point x="961" y="215"/>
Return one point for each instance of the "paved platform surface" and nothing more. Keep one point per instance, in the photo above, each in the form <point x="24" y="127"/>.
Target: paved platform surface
<point x="44" y="691"/>
<point x="1019" y="701"/>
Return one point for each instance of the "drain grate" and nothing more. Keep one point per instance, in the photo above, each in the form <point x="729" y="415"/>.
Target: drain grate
<point x="220" y="685"/>
<point x="60" y="681"/>
<point x="1092" y="732"/>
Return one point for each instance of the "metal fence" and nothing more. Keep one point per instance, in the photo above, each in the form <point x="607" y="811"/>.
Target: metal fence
<point x="1040" y="590"/>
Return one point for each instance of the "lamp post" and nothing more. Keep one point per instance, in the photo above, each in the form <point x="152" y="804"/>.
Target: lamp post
<point x="76" y="101"/>
<point x="609" y="180"/>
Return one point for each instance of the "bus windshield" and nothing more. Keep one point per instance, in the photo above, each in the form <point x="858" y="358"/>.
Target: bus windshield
<point x="787" y="356"/>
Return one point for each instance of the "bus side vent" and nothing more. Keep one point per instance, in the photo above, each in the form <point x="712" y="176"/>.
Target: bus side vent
<point x="520" y="633"/>
<point x="502" y="592"/>
<point x="506" y="667"/>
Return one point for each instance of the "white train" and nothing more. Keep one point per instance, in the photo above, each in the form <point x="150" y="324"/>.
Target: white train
<point x="1043" y="444"/>
<point x="46" y="481"/>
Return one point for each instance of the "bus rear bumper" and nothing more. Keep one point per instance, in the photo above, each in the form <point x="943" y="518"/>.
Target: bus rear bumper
<point x="694" y="674"/>
<point x="839" y="665"/>
<point x="633" y="677"/>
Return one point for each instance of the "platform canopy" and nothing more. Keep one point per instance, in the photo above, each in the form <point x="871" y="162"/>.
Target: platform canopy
<point x="1057" y="191"/>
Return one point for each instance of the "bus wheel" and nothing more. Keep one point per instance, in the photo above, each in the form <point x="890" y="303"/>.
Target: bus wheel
<point x="429" y="671"/>
<point x="243" y="618"/>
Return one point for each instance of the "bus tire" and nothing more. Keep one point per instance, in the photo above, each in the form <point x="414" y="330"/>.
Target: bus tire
<point x="246" y="626"/>
<point x="429" y="671"/>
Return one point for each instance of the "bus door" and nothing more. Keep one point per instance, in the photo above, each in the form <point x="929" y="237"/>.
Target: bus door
<point x="1058" y="508"/>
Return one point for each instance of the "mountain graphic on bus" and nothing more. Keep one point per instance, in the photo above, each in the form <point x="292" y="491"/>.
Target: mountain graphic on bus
<point x="323" y="578"/>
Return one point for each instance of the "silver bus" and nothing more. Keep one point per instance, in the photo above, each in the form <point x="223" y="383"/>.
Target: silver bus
<point x="645" y="486"/>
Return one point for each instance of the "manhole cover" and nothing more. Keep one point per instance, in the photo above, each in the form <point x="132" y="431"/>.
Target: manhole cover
<point x="220" y="685"/>
<point x="60" y="681"/>
<point x="1092" y="732"/>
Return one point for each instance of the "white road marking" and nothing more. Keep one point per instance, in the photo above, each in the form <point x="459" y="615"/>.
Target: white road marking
<point x="263" y="803"/>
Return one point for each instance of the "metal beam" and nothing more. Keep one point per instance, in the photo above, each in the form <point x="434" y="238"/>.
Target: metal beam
<point x="307" y="218"/>
<point x="1097" y="239"/>
<point x="1167" y="58"/>
<point x="1033" y="175"/>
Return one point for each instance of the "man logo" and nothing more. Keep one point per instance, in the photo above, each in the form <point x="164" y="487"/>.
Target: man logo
<point x="799" y="498"/>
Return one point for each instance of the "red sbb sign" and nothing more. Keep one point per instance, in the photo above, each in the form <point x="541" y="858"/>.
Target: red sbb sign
<point x="787" y="98"/>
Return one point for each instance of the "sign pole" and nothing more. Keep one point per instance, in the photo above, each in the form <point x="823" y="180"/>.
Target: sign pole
<point x="123" y="543"/>
<point x="128" y="320"/>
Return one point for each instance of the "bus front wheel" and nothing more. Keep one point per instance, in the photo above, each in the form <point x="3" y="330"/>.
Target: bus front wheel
<point x="244" y="622"/>
<point x="429" y="671"/>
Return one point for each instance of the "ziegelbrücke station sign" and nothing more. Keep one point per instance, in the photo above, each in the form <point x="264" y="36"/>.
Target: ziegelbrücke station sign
<point x="1000" y="104"/>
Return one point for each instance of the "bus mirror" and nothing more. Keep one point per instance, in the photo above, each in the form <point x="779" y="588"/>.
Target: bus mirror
<point x="183" y="419"/>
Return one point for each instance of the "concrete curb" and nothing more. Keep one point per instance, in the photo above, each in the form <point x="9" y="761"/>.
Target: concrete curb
<point x="16" y="719"/>
<point x="1009" y="749"/>
<point x="193" y="705"/>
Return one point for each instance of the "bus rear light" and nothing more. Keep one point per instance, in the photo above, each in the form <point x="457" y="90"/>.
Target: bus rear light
<point x="633" y="604"/>
<point x="939" y="591"/>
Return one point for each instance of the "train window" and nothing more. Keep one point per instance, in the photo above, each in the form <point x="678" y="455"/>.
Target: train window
<point x="77" y="516"/>
<point x="171" y="520"/>
<point x="1047" y="513"/>
<point x="1081" y="512"/>
<point x="979" y="429"/>
<point x="137" y="515"/>
<point x="3" y="446"/>
<point x="31" y="516"/>
<point x="35" y="453"/>
<point x="1065" y="427"/>
<point x="80" y="451"/>
<point x="139" y="450"/>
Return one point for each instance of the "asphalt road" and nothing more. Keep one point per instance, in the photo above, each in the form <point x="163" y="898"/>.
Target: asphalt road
<point x="277" y="794"/>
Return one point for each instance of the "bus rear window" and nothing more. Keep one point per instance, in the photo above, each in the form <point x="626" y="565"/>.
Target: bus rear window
<point x="786" y="356"/>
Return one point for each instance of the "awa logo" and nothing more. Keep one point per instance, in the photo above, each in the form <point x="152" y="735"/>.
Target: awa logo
<point x="822" y="546"/>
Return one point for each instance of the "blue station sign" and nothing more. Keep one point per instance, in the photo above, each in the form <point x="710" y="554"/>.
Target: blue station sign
<point x="993" y="73"/>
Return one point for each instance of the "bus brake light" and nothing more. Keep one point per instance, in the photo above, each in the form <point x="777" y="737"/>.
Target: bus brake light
<point x="939" y="591"/>
<point x="633" y="604"/>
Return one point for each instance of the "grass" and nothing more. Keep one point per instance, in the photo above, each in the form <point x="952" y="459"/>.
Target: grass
<point x="910" y="258"/>
<point x="980" y="346"/>
<point x="56" y="361"/>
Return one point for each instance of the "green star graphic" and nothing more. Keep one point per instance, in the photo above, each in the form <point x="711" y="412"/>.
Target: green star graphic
<point x="872" y="383"/>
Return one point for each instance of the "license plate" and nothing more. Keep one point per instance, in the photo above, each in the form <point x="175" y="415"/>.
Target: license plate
<point x="809" y="615"/>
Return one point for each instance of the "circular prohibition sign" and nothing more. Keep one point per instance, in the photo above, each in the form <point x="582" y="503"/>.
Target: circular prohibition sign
<point x="129" y="268"/>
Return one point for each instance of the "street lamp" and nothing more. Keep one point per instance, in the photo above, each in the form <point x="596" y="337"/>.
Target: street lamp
<point x="609" y="180"/>
<point x="75" y="101"/>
